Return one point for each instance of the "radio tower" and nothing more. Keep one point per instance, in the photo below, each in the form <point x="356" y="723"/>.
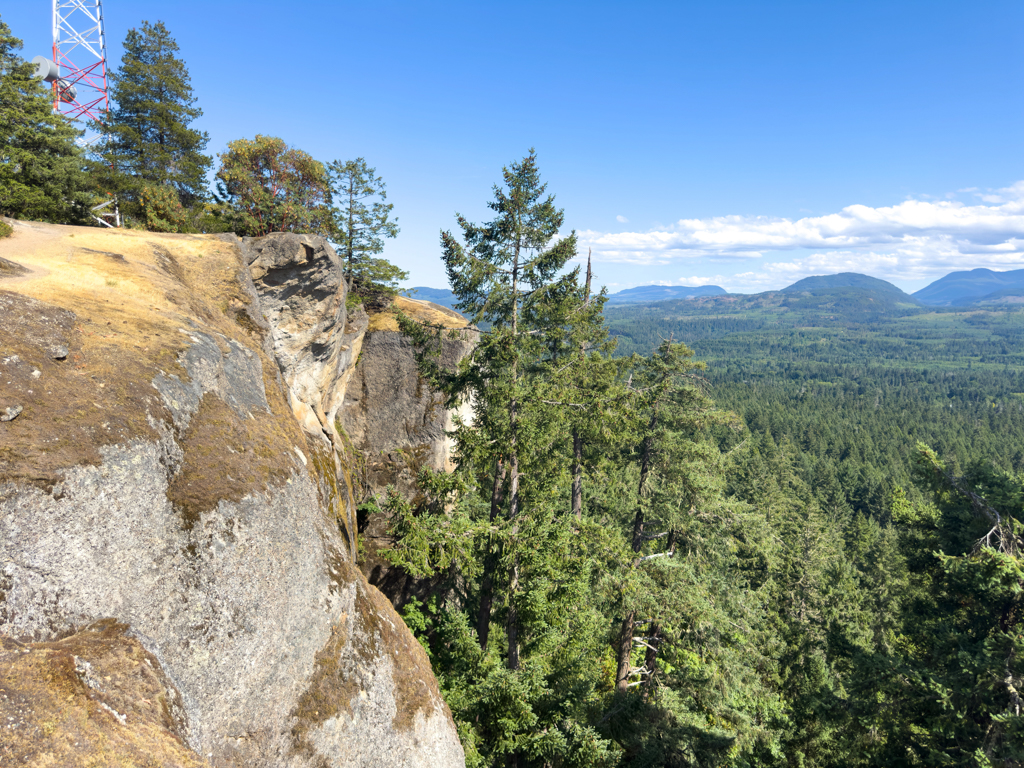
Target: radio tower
<point x="78" y="74"/>
<point x="80" y="52"/>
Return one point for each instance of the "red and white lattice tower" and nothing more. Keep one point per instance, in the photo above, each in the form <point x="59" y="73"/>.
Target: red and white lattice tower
<point x="80" y="53"/>
<point x="78" y="75"/>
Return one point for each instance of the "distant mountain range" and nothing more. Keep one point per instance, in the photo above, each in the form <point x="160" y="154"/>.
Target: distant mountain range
<point x="646" y="294"/>
<point x="977" y="286"/>
<point x="957" y="289"/>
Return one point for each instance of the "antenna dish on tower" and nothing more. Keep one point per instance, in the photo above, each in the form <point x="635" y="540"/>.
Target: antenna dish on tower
<point x="46" y="69"/>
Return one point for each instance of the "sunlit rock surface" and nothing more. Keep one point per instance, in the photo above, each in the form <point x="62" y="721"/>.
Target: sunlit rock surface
<point x="175" y="471"/>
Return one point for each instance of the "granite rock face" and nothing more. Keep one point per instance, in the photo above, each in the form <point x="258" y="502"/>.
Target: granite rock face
<point x="99" y="689"/>
<point x="397" y="422"/>
<point x="175" y="474"/>
<point x="302" y="293"/>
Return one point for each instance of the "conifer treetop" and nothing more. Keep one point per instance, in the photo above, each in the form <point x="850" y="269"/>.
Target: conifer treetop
<point x="42" y="172"/>
<point x="149" y="135"/>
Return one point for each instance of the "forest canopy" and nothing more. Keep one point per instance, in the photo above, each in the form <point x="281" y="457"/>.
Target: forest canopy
<point x="744" y="556"/>
<point x="780" y="530"/>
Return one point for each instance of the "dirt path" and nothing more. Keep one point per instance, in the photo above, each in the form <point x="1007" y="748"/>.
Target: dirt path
<point x="28" y="238"/>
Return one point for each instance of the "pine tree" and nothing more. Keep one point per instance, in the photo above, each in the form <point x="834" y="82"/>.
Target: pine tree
<point x="42" y="173"/>
<point x="359" y="226"/>
<point x="150" y="141"/>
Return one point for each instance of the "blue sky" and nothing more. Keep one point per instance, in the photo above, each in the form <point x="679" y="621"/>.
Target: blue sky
<point x="738" y="143"/>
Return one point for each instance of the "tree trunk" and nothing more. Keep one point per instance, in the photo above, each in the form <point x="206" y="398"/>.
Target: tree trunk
<point x="577" y="474"/>
<point x="656" y="635"/>
<point x="512" y="626"/>
<point x="512" y="621"/>
<point x="483" y="621"/>
<point x="625" y="653"/>
<point x="577" y="438"/>
<point x="645" y="471"/>
<point x="651" y="657"/>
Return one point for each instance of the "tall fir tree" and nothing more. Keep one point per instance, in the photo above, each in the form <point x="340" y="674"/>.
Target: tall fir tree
<point x="361" y="219"/>
<point x="150" y="141"/>
<point x="525" y="691"/>
<point x="43" y="174"/>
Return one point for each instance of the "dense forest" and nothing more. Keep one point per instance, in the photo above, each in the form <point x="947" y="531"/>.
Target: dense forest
<point x="771" y="530"/>
<point x="852" y="386"/>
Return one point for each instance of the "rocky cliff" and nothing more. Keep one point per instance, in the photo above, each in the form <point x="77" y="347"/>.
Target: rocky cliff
<point x="396" y="422"/>
<point x="177" y="523"/>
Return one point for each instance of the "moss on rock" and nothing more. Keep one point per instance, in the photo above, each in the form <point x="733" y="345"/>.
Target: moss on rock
<point x="96" y="698"/>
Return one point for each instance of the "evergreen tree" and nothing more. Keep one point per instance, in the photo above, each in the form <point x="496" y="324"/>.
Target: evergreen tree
<point x="359" y="226"/>
<point x="149" y="138"/>
<point x="528" y="692"/>
<point x="534" y="533"/>
<point x="42" y="173"/>
<point x="957" y="688"/>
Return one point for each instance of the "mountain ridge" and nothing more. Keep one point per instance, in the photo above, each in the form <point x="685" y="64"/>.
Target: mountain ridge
<point x="840" y="280"/>
<point x="643" y="294"/>
<point x="972" y="286"/>
<point x="960" y="288"/>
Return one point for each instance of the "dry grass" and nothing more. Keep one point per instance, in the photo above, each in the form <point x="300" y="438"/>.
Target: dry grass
<point x="118" y="300"/>
<point x="421" y="311"/>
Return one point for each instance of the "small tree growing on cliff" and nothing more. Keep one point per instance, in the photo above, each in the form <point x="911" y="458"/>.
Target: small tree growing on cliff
<point x="360" y="220"/>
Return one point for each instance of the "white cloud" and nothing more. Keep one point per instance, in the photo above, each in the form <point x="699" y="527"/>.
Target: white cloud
<point x="915" y="239"/>
<point x="622" y="219"/>
<point x="696" y="282"/>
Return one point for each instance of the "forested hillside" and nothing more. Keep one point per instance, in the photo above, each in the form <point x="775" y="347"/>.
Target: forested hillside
<point x="855" y="387"/>
<point x="711" y="532"/>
